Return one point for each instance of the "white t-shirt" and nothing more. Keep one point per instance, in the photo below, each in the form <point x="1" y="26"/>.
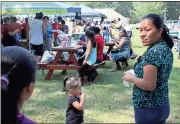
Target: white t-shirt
<point x="119" y="24"/>
<point x="36" y="32"/>
<point x="92" y="24"/>
<point x="128" y="28"/>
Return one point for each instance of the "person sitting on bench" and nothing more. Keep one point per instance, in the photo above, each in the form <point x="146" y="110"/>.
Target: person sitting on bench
<point x="91" y="53"/>
<point x="122" y="50"/>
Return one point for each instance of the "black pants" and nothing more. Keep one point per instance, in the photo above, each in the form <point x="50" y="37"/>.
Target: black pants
<point x="83" y="69"/>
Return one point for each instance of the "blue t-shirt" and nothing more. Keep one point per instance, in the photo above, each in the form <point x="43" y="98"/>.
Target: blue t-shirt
<point x="106" y="35"/>
<point x="49" y="29"/>
<point x="82" y="38"/>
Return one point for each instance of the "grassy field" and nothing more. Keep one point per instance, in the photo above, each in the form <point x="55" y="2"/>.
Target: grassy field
<point x="107" y="100"/>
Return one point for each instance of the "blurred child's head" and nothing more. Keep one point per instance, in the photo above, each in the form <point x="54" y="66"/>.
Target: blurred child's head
<point x="72" y="86"/>
<point x="18" y="72"/>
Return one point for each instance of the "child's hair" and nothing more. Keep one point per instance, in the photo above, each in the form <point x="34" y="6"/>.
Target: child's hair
<point x="71" y="83"/>
<point x="18" y="70"/>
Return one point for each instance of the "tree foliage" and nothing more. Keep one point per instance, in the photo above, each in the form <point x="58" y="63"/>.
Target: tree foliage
<point x="140" y="9"/>
<point x="136" y="10"/>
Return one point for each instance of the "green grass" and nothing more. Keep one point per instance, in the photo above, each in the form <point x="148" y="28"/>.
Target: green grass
<point x="107" y="100"/>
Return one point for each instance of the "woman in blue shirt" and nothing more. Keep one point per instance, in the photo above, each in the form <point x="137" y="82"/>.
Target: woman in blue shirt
<point x="90" y="55"/>
<point x="153" y="69"/>
<point x="49" y="38"/>
<point x="122" y="49"/>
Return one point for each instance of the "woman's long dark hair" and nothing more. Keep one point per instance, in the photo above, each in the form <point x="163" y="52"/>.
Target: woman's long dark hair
<point x="158" y="23"/>
<point x="90" y="34"/>
<point x="18" y="67"/>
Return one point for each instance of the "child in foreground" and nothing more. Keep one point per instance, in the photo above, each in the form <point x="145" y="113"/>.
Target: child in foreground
<point x="76" y="99"/>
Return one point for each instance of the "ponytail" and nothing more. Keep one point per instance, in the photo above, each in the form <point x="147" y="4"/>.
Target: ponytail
<point x="64" y="84"/>
<point x="166" y="37"/>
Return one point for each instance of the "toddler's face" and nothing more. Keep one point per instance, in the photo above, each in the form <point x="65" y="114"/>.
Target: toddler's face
<point x="77" y="91"/>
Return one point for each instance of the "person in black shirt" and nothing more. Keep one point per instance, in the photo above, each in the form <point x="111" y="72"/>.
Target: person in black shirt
<point x="76" y="99"/>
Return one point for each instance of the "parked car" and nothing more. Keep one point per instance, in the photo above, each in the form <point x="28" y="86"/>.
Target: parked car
<point x="171" y="23"/>
<point x="174" y="34"/>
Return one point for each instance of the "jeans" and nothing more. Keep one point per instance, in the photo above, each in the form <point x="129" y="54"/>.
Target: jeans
<point x="156" y="115"/>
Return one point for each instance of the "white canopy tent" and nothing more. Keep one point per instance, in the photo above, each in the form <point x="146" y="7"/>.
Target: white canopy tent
<point x="111" y="14"/>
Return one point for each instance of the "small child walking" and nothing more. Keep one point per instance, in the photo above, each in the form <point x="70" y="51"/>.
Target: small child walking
<point x="76" y="99"/>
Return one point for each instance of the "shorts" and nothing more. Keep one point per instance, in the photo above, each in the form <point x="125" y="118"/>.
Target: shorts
<point x="38" y="49"/>
<point x="48" y="44"/>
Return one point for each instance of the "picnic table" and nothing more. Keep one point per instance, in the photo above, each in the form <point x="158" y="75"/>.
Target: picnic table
<point x="110" y="44"/>
<point x="56" y="66"/>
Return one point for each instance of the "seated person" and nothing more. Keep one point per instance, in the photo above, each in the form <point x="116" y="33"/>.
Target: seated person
<point x="91" y="54"/>
<point x="122" y="50"/>
<point x="100" y="44"/>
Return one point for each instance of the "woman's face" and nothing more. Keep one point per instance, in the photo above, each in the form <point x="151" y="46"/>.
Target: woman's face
<point x="149" y="34"/>
<point x="121" y="33"/>
<point x="46" y="20"/>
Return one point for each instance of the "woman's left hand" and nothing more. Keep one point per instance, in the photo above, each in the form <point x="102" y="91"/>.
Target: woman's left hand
<point x="127" y="77"/>
<point x="84" y="62"/>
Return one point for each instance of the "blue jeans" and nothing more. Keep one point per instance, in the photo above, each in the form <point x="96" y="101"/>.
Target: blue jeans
<point x="156" y="115"/>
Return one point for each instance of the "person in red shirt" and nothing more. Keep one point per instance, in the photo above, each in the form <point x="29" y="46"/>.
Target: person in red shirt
<point x="100" y="44"/>
<point x="56" y="26"/>
<point x="24" y="29"/>
<point x="8" y="39"/>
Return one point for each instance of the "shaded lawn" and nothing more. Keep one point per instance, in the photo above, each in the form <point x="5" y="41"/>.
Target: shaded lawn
<point x="107" y="99"/>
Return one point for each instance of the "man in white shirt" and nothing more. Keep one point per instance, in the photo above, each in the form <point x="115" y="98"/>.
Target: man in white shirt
<point x="37" y="31"/>
<point x="119" y="24"/>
